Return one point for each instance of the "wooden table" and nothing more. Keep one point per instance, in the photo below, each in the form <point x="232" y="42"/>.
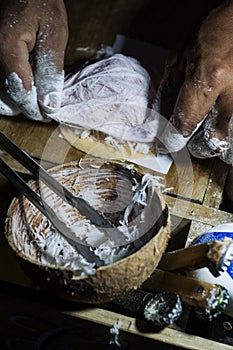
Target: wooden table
<point x="193" y="212"/>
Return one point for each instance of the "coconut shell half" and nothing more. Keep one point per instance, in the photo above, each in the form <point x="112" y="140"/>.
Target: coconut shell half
<point x="52" y="263"/>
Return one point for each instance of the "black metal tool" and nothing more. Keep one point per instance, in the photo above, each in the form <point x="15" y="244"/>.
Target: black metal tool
<point x="96" y="218"/>
<point x="80" y="204"/>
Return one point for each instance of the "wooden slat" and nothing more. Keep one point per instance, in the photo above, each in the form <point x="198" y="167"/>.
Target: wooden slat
<point x="167" y="335"/>
<point x="40" y="140"/>
<point x="188" y="178"/>
<point x="197" y="212"/>
<point x="27" y="322"/>
<point x="216" y="184"/>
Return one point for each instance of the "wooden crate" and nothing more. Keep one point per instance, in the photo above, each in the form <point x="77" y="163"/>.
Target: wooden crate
<point x="193" y="212"/>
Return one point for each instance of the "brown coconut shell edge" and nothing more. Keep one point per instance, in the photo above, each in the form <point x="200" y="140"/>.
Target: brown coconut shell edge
<point x="109" y="281"/>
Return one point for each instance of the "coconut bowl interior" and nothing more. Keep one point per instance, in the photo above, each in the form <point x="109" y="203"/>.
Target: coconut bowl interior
<point x="56" y="266"/>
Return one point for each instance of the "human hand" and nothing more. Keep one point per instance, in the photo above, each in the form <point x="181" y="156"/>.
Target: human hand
<point x="198" y="89"/>
<point x="38" y="28"/>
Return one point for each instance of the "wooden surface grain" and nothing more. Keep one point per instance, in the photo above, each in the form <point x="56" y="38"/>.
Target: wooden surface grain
<point x="41" y="140"/>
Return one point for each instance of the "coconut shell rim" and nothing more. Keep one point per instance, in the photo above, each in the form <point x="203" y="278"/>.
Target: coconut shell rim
<point x="8" y="235"/>
<point x="95" y="292"/>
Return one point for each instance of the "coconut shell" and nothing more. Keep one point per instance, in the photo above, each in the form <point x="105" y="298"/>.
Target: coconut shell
<point x="108" y="282"/>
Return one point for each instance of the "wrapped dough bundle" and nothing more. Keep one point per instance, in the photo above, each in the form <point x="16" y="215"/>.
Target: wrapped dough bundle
<point x="108" y="105"/>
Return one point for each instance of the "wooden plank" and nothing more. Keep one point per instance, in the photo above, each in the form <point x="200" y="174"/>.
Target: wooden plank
<point x="166" y="335"/>
<point x="197" y="212"/>
<point x="189" y="178"/>
<point x="216" y="184"/>
<point x="40" y="140"/>
<point x="27" y="322"/>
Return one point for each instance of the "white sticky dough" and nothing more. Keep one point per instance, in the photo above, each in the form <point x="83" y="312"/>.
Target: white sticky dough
<point x="215" y="144"/>
<point x="46" y="92"/>
<point x="205" y="144"/>
<point x="27" y="100"/>
<point x="173" y="140"/>
<point x="6" y="107"/>
<point x="49" y="82"/>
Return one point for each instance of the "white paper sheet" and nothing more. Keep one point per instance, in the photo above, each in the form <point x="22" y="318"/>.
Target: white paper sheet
<point x="160" y="163"/>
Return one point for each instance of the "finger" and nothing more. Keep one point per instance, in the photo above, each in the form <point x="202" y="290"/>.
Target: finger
<point x="18" y="83"/>
<point x="214" y="139"/>
<point x="49" y="62"/>
<point x="218" y="131"/>
<point x="198" y="146"/>
<point x="194" y="102"/>
<point x="218" y="126"/>
<point x="224" y="127"/>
